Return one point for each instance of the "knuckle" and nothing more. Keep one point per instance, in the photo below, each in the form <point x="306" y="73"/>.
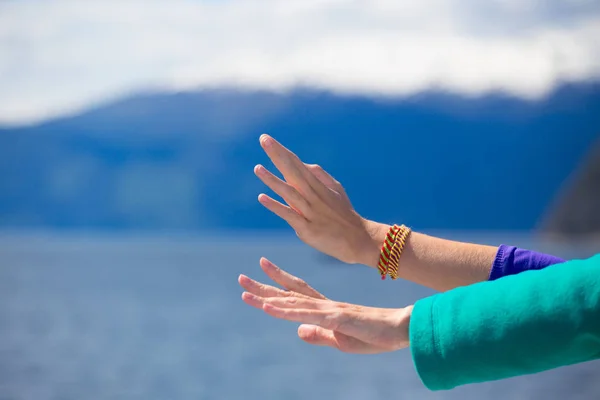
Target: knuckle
<point x="300" y="283"/>
<point x="311" y="336"/>
<point x="349" y="307"/>
<point x="261" y="287"/>
<point x="294" y="193"/>
<point x="305" y="233"/>
<point x="332" y="321"/>
<point x="300" y="227"/>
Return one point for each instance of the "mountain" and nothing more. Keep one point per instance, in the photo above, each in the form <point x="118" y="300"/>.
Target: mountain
<point x="184" y="161"/>
<point x="577" y="210"/>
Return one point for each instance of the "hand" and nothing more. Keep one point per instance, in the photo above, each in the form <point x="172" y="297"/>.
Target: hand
<point x="318" y="208"/>
<point x="347" y="327"/>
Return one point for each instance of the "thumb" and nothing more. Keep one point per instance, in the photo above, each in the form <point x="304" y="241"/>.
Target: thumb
<point x="318" y="336"/>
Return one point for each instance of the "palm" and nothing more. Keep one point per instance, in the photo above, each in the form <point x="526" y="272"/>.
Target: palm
<point x="349" y="328"/>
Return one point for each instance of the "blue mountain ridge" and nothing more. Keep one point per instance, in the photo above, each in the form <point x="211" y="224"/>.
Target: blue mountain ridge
<point x="184" y="161"/>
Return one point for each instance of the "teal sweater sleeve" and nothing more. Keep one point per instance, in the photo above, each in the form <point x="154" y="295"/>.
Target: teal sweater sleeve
<point x="517" y="325"/>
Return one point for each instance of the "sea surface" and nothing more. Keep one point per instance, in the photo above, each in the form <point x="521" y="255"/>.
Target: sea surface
<point x="92" y="316"/>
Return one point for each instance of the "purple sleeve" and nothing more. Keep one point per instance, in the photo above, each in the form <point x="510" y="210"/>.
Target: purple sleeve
<point x="511" y="260"/>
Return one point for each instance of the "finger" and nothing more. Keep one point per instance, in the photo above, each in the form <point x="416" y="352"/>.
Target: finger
<point x="293" y="169"/>
<point x="324" y="337"/>
<point x="284" y="212"/>
<point x="286" y="162"/>
<point x="263" y="290"/>
<point x="266" y="291"/>
<point x="251" y="300"/>
<point x="287" y="280"/>
<point x="316" y="335"/>
<point x="323" y="176"/>
<point x="259" y="302"/>
<point x="328" y="319"/>
<point x="305" y="303"/>
<point x="284" y="190"/>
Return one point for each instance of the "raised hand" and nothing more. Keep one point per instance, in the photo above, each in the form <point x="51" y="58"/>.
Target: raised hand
<point x="346" y="327"/>
<point x="318" y="208"/>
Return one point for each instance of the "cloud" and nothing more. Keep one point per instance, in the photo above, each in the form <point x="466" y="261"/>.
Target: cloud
<point x="58" y="57"/>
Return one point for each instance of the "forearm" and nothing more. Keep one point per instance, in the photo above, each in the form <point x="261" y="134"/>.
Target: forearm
<point x="434" y="262"/>
<point x="519" y="325"/>
<point x="444" y="264"/>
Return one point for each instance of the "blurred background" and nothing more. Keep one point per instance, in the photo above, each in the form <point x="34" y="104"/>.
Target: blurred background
<point x="128" y="136"/>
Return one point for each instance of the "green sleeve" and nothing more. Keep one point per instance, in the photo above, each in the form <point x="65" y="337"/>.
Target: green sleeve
<point x="517" y="325"/>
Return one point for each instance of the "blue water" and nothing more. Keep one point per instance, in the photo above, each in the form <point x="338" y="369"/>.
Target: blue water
<point x="106" y="317"/>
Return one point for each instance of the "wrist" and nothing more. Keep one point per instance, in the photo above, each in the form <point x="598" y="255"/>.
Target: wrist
<point x="370" y="253"/>
<point x="403" y="327"/>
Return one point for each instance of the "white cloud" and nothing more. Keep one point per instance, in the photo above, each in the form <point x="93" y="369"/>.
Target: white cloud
<point x="60" y="56"/>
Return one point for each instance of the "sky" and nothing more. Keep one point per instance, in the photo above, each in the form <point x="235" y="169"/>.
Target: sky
<point x="59" y="57"/>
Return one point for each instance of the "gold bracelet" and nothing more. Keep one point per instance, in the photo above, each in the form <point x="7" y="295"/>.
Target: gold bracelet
<point x="386" y="248"/>
<point x="397" y="249"/>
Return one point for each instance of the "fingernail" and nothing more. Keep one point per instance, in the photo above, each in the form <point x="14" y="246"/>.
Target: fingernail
<point x="266" y="140"/>
<point x="306" y="329"/>
<point x="259" y="169"/>
<point x="267" y="263"/>
<point x="263" y="199"/>
<point x="248" y="296"/>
